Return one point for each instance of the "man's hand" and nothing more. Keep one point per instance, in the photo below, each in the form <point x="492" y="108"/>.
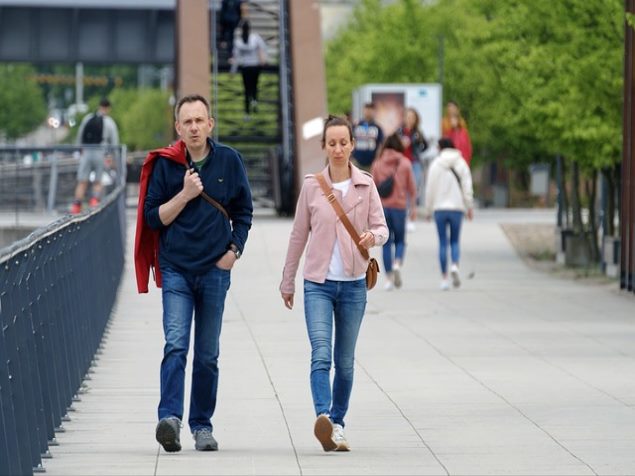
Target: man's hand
<point x="288" y="300"/>
<point x="192" y="185"/>
<point x="227" y="260"/>
<point x="470" y="214"/>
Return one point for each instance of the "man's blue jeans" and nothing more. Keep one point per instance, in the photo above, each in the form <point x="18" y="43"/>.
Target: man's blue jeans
<point x="338" y="304"/>
<point x="396" y="221"/>
<point x="451" y="219"/>
<point x="203" y="296"/>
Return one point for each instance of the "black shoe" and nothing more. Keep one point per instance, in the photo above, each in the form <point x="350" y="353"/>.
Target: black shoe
<point x="167" y="434"/>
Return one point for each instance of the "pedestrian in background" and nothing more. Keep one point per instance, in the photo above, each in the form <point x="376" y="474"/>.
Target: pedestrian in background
<point x="414" y="145"/>
<point x="98" y="135"/>
<point x="193" y="218"/>
<point x="250" y="55"/>
<point x="368" y="138"/>
<point x="392" y="163"/>
<point x="231" y="12"/>
<point x="449" y="196"/>
<point x="334" y="274"/>
<point x="454" y="127"/>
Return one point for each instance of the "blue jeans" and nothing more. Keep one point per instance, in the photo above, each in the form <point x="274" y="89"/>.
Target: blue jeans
<point x="203" y="296"/>
<point x="396" y="221"/>
<point x="341" y="303"/>
<point x="451" y="219"/>
<point x="417" y="170"/>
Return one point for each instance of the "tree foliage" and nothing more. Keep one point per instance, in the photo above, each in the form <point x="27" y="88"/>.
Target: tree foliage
<point x="534" y="79"/>
<point x="23" y="106"/>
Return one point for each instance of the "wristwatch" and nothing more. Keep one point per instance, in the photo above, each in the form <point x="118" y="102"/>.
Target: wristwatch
<point x="236" y="251"/>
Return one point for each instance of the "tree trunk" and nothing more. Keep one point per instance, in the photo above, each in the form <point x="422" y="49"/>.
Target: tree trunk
<point x="576" y="209"/>
<point x="610" y="201"/>
<point x="592" y="235"/>
<point x="565" y="195"/>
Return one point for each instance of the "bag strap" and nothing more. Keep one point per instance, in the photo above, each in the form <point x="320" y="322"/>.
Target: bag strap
<point x="458" y="179"/>
<point x="205" y="196"/>
<point x="341" y="214"/>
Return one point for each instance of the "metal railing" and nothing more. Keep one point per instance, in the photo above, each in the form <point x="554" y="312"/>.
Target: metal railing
<point x="43" y="179"/>
<point x="57" y="290"/>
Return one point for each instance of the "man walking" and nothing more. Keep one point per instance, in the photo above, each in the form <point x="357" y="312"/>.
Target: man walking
<point x="193" y="218"/>
<point x="368" y="138"/>
<point x="98" y="135"/>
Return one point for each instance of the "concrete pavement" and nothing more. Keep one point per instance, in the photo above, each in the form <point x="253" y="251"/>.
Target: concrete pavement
<point x="515" y="373"/>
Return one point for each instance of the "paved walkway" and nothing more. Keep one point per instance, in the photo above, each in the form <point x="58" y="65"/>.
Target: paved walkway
<point x="516" y="373"/>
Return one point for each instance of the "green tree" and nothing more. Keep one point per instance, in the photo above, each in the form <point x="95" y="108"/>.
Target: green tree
<point x="23" y="106"/>
<point x="144" y="117"/>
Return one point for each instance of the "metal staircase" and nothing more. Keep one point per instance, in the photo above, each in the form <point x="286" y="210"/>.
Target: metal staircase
<point x="264" y="137"/>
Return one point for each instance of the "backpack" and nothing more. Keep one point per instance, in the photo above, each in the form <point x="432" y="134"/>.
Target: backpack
<point x="93" y="130"/>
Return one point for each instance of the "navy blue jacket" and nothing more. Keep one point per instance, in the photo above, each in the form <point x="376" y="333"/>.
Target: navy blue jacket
<point x="201" y="234"/>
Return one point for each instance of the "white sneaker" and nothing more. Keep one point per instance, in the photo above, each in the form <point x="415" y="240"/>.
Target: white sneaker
<point x="323" y="431"/>
<point x="454" y="272"/>
<point x="339" y="438"/>
<point x="445" y="285"/>
<point x="396" y="273"/>
<point x="410" y="226"/>
<point x="388" y="286"/>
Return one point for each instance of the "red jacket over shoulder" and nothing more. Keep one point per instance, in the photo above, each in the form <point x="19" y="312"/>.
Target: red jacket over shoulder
<point x="146" y="244"/>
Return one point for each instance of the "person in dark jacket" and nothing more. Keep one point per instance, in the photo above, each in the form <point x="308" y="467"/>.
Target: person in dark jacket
<point x="197" y="248"/>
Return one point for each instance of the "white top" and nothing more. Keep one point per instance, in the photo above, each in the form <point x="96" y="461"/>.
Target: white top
<point x="253" y="53"/>
<point x="336" y="267"/>
<point x="443" y="191"/>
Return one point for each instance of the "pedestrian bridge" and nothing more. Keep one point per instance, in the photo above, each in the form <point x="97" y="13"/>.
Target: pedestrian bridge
<point x="517" y="372"/>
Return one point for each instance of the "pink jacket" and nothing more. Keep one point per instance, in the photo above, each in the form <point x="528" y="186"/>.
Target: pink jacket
<point x="316" y="223"/>
<point x="392" y="162"/>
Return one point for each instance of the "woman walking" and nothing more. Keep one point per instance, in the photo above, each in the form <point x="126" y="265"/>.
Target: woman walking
<point x="250" y="54"/>
<point x="449" y="195"/>
<point x="334" y="274"/>
<point x="392" y="163"/>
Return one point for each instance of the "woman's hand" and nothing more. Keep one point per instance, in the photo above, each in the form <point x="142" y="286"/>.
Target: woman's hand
<point x="367" y="240"/>
<point x="288" y="300"/>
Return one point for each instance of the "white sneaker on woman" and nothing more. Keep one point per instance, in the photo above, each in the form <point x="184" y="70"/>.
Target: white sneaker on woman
<point x="339" y="438"/>
<point x="456" y="278"/>
<point x="445" y="285"/>
<point x="323" y="431"/>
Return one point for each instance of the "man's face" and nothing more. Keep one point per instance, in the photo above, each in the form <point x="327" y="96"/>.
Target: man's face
<point x="194" y="125"/>
<point x="369" y="113"/>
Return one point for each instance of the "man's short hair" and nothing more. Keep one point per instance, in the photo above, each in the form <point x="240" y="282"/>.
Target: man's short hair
<point x="190" y="98"/>
<point x="370" y="105"/>
<point x="104" y="102"/>
<point x="446" y="143"/>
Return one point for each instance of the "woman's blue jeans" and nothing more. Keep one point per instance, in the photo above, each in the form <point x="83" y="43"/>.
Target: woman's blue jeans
<point x="333" y="308"/>
<point x="396" y="221"/>
<point x="448" y="219"/>
<point x="184" y="296"/>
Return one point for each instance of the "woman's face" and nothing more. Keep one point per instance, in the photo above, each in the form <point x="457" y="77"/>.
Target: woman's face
<point x="338" y="145"/>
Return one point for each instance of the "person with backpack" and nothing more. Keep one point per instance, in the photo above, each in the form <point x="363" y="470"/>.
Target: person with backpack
<point x="449" y="196"/>
<point x="392" y="172"/>
<point x="97" y="134"/>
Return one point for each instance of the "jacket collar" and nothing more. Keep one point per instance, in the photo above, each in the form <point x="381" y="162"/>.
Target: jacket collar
<point x="357" y="176"/>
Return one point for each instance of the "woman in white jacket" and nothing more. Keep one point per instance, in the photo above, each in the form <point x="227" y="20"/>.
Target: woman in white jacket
<point x="449" y="195"/>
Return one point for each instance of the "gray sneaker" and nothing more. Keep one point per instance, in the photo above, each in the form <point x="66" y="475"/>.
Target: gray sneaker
<point x="204" y="440"/>
<point x="167" y="434"/>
